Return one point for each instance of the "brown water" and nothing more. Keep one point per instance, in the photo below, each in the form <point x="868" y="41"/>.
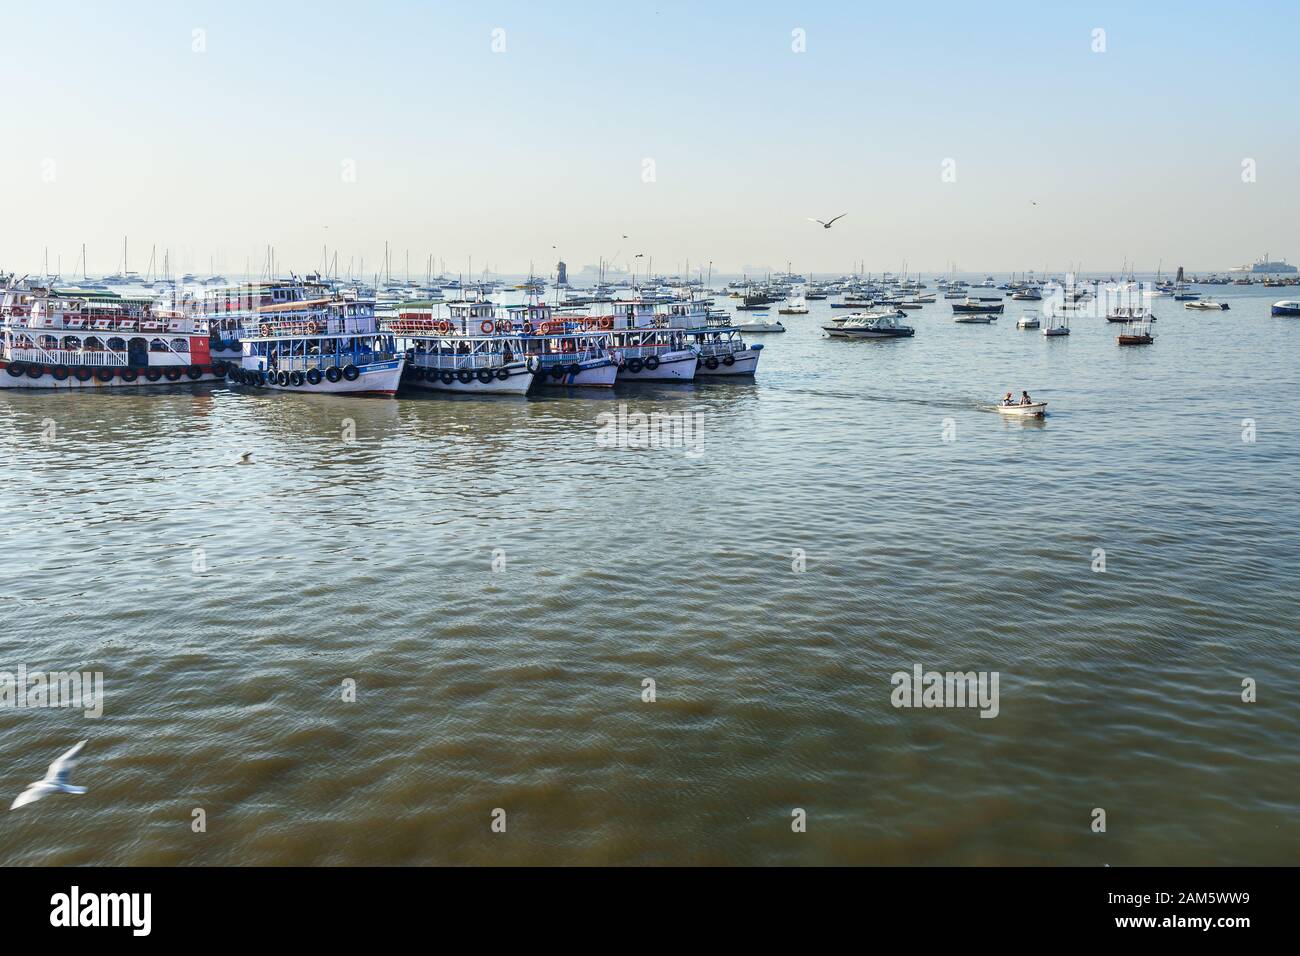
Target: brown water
<point x="520" y="688"/>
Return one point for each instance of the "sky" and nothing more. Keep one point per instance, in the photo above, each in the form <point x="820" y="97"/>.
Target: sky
<point x="999" y="137"/>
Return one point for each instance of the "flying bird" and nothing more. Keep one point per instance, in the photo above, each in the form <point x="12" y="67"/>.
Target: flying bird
<point x="827" y="225"/>
<point x="56" y="780"/>
<point x="245" y="459"/>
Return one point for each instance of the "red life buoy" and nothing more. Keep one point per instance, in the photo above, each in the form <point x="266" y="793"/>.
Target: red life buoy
<point x="486" y="326"/>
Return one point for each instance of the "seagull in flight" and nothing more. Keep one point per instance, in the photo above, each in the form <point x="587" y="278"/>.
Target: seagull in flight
<point x="56" y="780"/>
<point x="827" y="225"/>
<point x="245" y="459"/>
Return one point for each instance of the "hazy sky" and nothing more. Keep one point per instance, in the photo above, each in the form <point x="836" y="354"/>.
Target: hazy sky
<point x="348" y="124"/>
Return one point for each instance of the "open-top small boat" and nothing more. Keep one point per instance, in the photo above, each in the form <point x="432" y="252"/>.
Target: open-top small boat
<point x="1032" y="410"/>
<point x="1136" y="333"/>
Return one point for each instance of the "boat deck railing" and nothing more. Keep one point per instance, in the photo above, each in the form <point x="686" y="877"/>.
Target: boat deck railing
<point x="308" y="325"/>
<point x="119" y="324"/>
<point x="291" y="363"/>
<point x="70" y="357"/>
<point x="564" y="358"/>
<point x="455" y="362"/>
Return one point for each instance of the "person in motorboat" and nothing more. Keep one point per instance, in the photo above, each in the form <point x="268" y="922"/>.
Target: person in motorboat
<point x="1025" y="399"/>
<point x="1007" y="400"/>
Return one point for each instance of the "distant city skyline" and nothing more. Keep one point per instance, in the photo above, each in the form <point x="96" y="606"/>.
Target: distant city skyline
<point x="1004" y="137"/>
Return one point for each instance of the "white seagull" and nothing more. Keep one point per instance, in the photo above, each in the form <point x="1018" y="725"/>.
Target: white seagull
<point x="245" y="459"/>
<point x="56" y="780"/>
<point x="827" y="225"/>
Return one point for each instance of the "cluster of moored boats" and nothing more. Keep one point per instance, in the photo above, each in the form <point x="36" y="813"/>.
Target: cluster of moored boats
<point x="309" y="335"/>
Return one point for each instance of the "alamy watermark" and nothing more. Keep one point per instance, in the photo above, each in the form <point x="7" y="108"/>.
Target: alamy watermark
<point x="77" y="690"/>
<point x="654" y="430"/>
<point x="952" y="689"/>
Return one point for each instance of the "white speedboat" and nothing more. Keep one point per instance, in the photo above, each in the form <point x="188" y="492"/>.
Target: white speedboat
<point x="1028" y="321"/>
<point x="1032" y="410"/>
<point x="761" y="325"/>
<point x="1206" y="305"/>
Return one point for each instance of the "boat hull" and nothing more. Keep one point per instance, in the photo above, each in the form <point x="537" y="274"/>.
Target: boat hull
<point x="378" y="378"/>
<point x="48" y="382"/>
<point x="674" y="366"/>
<point x="745" y="363"/>
<point x="1036" y="410"/>
<point x="592" y="373"/>
<point x="518" y="381"/>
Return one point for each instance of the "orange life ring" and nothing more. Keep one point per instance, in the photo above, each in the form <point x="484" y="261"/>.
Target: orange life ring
<point x="265" y="330"/>
<point x="487" y="326"/>
<point x="607" y="322"/>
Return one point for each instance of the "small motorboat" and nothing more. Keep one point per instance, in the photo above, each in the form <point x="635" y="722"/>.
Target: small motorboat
<point x="874" y="326"/>
<point x="760" y="325"/>
<point x="1287" y="307"/>
<point x="1028" y="321"/>
<point x="1207" y="305"/>
<point x="1032" y="410"/>
<point x="978" y="318"/>
<point x="976" y="307"/>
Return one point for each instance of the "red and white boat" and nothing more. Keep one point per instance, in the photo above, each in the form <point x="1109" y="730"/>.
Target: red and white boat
<point x="91" y="339"/>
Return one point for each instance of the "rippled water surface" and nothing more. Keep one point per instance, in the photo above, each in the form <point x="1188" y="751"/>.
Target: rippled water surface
<point x="520" y="688"/>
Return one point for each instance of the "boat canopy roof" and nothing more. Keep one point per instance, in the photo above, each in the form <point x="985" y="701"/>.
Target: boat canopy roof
<point x="295" y="306"/>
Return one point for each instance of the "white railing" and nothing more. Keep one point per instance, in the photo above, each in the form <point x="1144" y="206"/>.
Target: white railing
<point x="452" y="363"/>
<point x="67" y="357"/>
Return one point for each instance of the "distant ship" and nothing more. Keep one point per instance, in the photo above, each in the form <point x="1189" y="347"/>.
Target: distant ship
<point x="1265" y="267"/>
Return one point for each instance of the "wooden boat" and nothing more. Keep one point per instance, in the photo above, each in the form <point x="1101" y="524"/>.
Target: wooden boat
<point x="1136" y="333"/>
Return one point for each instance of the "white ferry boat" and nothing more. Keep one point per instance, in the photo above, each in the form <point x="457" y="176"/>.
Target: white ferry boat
<point x="469" y="351"/>
<point x="720" y="347"/>
<point x="644" y="347"/>
<point x="566" y="352"/>
<point x="328" y="345"/>
<point x="62" y="339"/>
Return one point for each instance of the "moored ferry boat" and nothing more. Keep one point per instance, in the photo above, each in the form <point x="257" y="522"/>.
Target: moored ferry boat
<point x="328" y="345"/>
<point x="471" y="351"/>
<point x="721" y="348"/>
<point x="568" y="351"/>
<point x="82" y="339"/>
<point x="644" y="349"/>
